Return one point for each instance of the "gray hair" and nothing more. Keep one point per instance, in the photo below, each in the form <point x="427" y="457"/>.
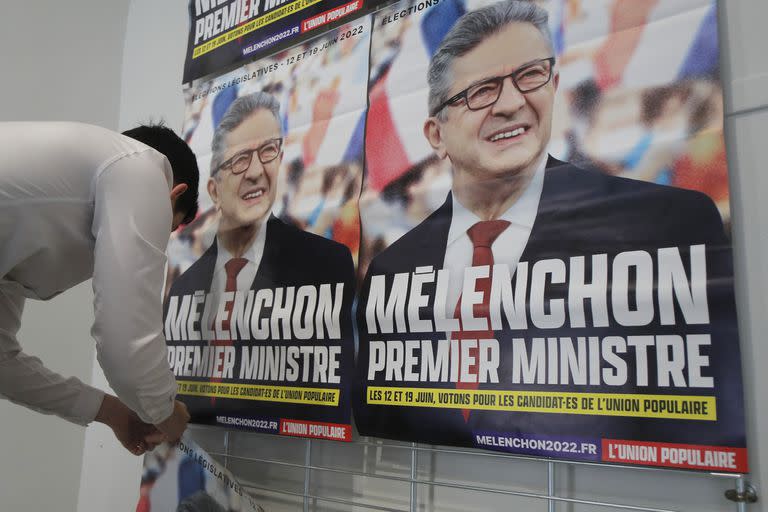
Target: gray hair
<point x="472" y="29"/>
<point x="240" y="110"/>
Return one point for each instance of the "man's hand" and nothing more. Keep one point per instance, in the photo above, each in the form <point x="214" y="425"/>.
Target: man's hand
<point x="176" y="423"/>
<point x="136" y="436"/>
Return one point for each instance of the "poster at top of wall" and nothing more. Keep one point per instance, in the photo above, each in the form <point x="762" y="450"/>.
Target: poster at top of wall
<point x="546" y="233"/>
<point x="258" y="303"/>
<point x="224" y="33"/>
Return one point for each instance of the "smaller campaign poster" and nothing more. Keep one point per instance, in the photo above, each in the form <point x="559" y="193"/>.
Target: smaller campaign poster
<point x="258" y="303"/>
<point x="224" y="33"/>
<point x="184" y="478"/>
<point x="546" y="233"/>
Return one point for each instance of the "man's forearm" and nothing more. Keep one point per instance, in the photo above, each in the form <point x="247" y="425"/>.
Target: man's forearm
<point x="25" y="381"/>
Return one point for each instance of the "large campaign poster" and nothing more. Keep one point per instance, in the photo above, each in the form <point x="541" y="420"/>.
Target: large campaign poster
<point x="228" y="32"/>
<point x="546" y="233"/>
<point x="260" y="288"/>
<point x="184" y="478"/>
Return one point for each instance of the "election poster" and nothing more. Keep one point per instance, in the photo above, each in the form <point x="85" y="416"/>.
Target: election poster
<point x="184" y="478"/>
<point x="530" y="200"/>
<point x="227" y="32"/>
<point x="258" y="307"/>
<point x="545" y="250"/>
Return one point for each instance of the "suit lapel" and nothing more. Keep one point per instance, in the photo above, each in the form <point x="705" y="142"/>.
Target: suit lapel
<point x="558" y="185"/>
<point x="269" y="271"/>
<point x="432" y="242"/>
<point x="432" y="239"/>
<point x="206" y="265"/>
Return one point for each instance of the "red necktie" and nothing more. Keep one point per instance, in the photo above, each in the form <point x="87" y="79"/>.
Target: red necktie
<point x="232" y="267"/>
<point x="482" y="235"/>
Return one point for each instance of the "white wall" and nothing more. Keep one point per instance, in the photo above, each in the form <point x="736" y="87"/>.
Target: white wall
<point x="151" y="75"/>
<point x="153" y="62"/>
<point x="51" y="71"/>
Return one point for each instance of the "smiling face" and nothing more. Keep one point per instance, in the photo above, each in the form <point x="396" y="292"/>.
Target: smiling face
<point x="247" y="198"/>
<point x="506" y="139"/>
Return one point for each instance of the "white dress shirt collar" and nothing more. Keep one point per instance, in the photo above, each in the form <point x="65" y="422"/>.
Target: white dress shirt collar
<point x="522" y="213"/>
<point x="253" y="253"/>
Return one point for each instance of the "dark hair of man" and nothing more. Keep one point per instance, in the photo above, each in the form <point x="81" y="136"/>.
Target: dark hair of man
<point x="472" y="29"/>
<point x="182" y="160"/>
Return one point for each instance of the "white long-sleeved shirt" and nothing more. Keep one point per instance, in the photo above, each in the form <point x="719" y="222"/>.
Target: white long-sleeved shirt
<point x="79" y="201"/>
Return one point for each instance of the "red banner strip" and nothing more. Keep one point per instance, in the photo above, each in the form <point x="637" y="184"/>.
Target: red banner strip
<point x="316" y="430"/>
<point x="688" y="456"/>
<point x="330" y="15"/>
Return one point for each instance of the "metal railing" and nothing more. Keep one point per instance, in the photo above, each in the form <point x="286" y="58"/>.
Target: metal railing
<point x="549" y="499"/>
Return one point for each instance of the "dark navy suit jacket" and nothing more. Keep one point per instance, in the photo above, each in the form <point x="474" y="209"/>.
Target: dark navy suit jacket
<point x="581" y="212"/>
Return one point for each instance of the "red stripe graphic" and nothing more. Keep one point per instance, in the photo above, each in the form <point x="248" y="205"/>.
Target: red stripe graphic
<point x="383" y="150"/>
